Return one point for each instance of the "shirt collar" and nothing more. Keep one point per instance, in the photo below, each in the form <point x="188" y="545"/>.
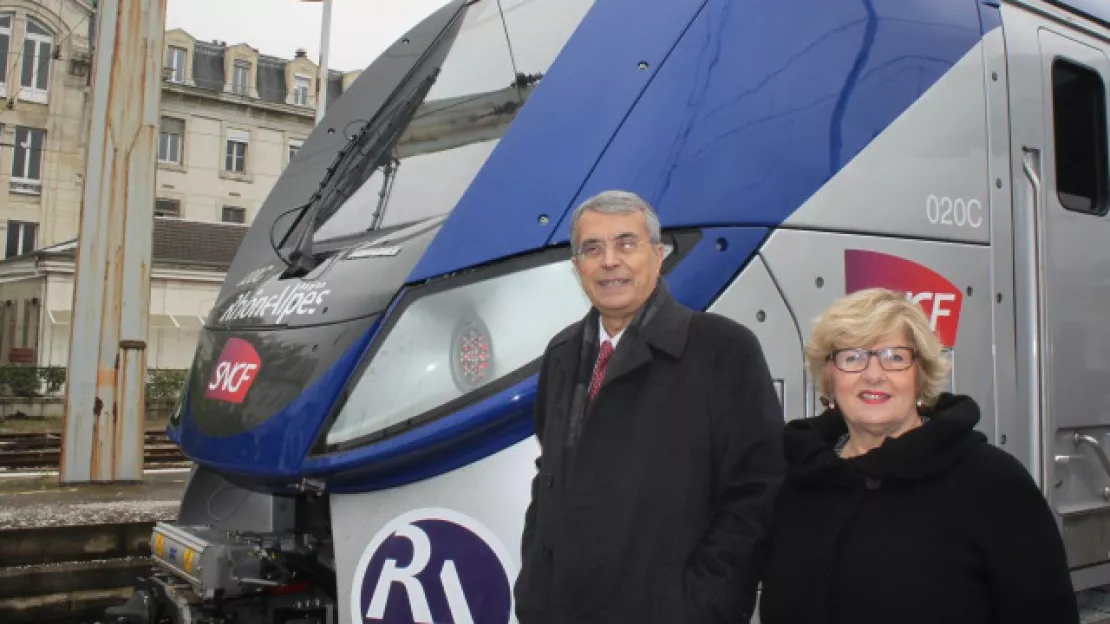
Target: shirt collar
<point x="603" y="335"/>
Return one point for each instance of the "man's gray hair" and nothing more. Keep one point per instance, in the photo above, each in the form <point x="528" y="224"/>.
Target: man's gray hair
<point x="617" y="202"/>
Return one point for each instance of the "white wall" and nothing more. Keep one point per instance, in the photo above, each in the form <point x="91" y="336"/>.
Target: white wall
<point x="167" y="347"/>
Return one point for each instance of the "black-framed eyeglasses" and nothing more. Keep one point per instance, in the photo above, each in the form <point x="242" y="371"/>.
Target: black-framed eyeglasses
<point x="857" y="360"/>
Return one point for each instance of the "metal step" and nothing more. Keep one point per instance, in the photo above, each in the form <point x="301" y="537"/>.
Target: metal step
<point x="1094" y="606"/>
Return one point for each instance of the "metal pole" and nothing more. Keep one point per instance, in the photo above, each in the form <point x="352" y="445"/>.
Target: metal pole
<point x="322" y="78"/>
<point x="103" y="436"/>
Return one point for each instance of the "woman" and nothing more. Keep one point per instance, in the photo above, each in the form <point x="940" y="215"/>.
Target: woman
<point x="895" y="510"/>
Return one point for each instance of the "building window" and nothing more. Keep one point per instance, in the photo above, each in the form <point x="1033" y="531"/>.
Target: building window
<point x="300" y="91"/>
<point x="30" y="323"/>
<point x="234" y="214"/>
<point x="11" y="313"/>
<point x="236" y="156"/>
<point x="5" y="311"/>
<point x="236" y="161"/>
<point x="5" y="42"/>
<point x="241" y="78"/>
<point x="175" y="60"/>
<point x="35" y="75"/>
<point x="167" y="208"/>
<point x="25" y="326"/>
<point x="21" y="238"/>
<point x="27" y="161"/>
<point x="294" y="147"/>
<point x="170" y="140"/>
<point x="1079" y="121"/>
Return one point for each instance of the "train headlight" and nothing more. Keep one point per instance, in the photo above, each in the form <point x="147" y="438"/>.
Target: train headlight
<point x="454" y="339"/>
<point x="472" y="356"/>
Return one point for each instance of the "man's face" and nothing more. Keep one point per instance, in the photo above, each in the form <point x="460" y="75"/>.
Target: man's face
<point x="618" y="265"/>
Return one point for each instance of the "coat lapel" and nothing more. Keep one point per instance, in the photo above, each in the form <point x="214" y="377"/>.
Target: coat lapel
<point x="565" y="402"/>
<point x="662" y="326"/>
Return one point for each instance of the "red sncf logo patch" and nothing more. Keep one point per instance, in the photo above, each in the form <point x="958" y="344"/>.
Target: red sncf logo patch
<point x="938" y="297"/>
<point x="234" y="373"/>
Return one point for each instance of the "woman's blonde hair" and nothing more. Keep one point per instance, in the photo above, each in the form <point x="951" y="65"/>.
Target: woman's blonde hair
<point x="861" y="319"/>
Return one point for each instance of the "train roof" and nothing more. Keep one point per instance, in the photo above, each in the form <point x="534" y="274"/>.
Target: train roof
<point x="1097" y="10"/>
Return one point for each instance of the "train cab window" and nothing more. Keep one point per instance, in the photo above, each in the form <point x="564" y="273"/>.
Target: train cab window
<point x="450" y="113"/>
<point x="1079" y="121"/>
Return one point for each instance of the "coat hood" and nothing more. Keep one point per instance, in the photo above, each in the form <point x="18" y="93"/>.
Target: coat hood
<point x="929" y="449"/>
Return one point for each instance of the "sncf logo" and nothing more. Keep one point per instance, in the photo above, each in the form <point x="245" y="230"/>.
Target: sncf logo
<point x="432" y="565"/>
<point x="937" y="296"/>
<point x="234" y="373"/>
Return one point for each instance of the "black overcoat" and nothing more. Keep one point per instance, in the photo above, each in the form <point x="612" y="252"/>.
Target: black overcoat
<point x="660" y="508"/>
<point x="934" y="526"/>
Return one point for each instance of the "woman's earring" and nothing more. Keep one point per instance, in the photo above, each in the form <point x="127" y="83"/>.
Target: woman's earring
<point x="920" y="404"/>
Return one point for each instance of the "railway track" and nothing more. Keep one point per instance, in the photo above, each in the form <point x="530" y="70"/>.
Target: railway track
<point x="26" y="451"/>
<point x="69" y="575"/>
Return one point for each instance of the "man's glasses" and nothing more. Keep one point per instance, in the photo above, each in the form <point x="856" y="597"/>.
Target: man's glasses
<point x="857" y="360"/>
<point x="595" y="249"/>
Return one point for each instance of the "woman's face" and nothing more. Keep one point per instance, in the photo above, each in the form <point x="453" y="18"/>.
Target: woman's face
<point x="871" y="393"/>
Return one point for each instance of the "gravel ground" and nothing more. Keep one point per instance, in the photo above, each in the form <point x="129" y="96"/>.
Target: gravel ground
<point x="40" y="501"/>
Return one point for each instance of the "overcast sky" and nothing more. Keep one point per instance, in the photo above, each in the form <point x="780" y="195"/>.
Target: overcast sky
<point x="361" y="29"/>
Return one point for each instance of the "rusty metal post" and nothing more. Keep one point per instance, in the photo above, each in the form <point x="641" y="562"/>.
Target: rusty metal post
<point x="103" y="435"/>
<point x="322" y="69"/>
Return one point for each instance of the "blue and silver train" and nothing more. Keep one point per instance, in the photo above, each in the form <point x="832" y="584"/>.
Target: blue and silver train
<point x="359" y="407"/>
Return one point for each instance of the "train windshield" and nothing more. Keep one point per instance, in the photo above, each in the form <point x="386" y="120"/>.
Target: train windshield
<point x="428" y="142"/>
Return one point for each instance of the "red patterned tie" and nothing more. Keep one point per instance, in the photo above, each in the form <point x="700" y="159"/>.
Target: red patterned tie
<point x="599" y="370"/>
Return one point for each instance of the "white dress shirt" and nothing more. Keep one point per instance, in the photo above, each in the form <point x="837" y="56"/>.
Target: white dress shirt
<point x="604" y="335"/>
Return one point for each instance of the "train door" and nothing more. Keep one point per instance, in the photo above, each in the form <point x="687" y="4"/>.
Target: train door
<point x="1058" y="70"/>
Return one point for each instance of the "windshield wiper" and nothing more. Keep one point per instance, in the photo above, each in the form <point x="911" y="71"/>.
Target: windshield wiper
<point x="366" y="151"/>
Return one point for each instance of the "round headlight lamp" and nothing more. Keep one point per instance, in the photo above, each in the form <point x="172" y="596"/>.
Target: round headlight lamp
<point x="471" y="356"/>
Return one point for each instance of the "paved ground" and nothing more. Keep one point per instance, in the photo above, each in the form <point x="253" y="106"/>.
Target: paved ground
<point x="31" y="501"/>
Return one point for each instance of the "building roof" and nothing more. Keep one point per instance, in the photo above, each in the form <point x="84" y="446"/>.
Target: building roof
<point x="208" y="73"/>
<point x="177" y="241"/>
<point x="197" y="242"/>
<point x="271" y="79"/>
<point x="208" y="66"/>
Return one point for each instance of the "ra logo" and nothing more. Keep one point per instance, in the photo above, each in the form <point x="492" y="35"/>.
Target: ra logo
<point x="433" y="566"/>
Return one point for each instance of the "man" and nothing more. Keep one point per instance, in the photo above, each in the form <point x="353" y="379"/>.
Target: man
<point x="660" y="432"/>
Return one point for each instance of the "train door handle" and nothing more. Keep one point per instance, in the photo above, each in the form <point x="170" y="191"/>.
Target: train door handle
<point x="1031" y="167"/>
<point x="1033" y="296"/>
<point x="1082" y="438"/>
<point x="1091" y="441"/>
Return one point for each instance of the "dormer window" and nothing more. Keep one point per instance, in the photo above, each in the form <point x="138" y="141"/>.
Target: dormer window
<point x="241" y="77"/>
<point x="175" y="61"/>
<point x="300" y="90"/>
<point x="38" y="46"/>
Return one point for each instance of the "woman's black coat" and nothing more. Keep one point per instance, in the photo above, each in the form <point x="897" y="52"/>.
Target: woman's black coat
<point x="934" y="526"/>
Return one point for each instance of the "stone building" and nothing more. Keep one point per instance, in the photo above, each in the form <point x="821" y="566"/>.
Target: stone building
<point x="232" y="117"/>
